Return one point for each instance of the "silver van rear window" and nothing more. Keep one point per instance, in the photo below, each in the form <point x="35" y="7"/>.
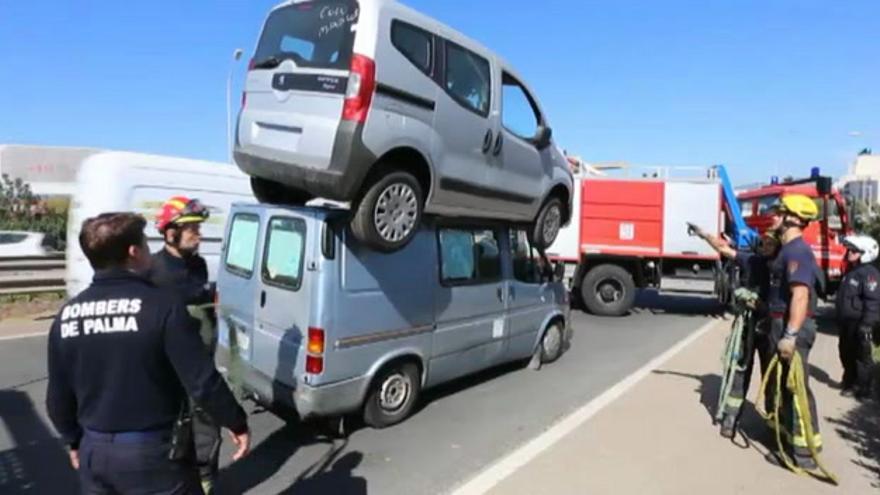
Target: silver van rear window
<point x="317" y="34"/>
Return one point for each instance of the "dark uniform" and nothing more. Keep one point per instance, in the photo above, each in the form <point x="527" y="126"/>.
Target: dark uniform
<point x="795" y="264"/>
<point x="188" y="278"/>
<point x="858" y="310"/>
<point x="123" y="356"/>
<point x="755" y="276"/>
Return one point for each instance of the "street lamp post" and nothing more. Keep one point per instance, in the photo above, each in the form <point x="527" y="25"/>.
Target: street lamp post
<point x="236" y="56"/>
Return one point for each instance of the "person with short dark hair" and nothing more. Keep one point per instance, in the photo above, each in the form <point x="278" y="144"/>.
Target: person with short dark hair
<point x="122" y="357"/>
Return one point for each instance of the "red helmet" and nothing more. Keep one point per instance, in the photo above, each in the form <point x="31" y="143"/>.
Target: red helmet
<point x="180" y="210"/>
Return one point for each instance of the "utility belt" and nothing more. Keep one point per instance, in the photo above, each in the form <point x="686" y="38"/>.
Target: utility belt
<point x="156" y="435"/>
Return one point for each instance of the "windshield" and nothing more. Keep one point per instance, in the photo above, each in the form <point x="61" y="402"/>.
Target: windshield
<point x="316" y="34"/>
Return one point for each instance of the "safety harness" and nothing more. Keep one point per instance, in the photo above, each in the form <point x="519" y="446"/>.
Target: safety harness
<point x="796" y="384"/>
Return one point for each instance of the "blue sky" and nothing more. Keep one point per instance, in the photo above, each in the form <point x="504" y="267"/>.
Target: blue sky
<point x="765" y="86"/>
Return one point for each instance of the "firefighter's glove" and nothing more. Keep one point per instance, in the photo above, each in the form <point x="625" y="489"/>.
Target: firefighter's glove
<point x="693" y="230"/>
<point x="786" y="347"/>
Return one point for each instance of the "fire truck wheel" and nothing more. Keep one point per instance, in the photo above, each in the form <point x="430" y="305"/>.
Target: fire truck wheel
<point x="608" y="290"/>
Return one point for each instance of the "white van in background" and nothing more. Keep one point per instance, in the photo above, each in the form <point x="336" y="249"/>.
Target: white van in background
<point x="122" y="181"/>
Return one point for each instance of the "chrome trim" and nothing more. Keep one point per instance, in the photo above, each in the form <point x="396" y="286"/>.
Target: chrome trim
<point x="372" y="338"/>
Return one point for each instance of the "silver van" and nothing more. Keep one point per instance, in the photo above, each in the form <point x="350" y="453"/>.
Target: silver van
<point x="373" y="103"/>
<point x="321" y="323"/>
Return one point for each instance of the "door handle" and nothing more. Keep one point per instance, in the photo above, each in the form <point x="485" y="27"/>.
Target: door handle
<point x="500" y="293"/>
<point x="487" y="141"/>
<point x="262" y="299"/>
<point x="499" y="143"/>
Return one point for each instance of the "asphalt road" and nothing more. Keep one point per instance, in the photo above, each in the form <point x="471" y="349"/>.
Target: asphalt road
<point x="460" y="429"/>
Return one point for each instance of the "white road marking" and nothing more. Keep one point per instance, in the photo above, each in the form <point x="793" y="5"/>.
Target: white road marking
<point x="24" y="335"/>
<point x="506" y="466"/>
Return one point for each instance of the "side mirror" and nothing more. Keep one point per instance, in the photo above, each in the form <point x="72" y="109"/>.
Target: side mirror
<point x="543" y="137"/>
<point x="823" y="185"/>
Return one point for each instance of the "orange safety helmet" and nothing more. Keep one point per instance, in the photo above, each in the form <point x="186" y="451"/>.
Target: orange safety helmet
<point x="180" y="210"/>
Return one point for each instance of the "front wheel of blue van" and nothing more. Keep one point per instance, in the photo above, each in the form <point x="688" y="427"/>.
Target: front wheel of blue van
<point x="388" y="215"/>
<point x="393" y="395"/>
<point x="552" y="343"/>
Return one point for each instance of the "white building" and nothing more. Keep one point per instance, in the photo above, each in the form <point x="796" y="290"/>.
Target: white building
<point x="863" y="180"/>
<point x="50" y="170"/>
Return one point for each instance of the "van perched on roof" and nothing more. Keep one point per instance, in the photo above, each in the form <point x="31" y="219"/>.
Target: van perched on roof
<point x="375" y="104"/>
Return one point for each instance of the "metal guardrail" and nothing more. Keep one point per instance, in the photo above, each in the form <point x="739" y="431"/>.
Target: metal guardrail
<point x="32" y="274"/>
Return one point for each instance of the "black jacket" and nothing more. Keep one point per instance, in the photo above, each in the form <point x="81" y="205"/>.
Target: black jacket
<point x="123" y="355"/>
<point x="188" y="276"/>
<point x="858" y="298"/>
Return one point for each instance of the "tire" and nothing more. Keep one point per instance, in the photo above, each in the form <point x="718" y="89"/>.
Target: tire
<point x="269" y="191"/>
<point x="552" y="343"/>
<point x="547" y="224"/>
<point x="393" y="395"/>
<point x="389" y="213"/>
<point x="608" y="290"/>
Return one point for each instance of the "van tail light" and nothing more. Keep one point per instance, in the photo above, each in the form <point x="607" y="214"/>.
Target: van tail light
<point x="252" y="64"/>
<point x="315" y="348"/>
<point x="316" y="341"/>
<point x="314" y="365"/>
<point x="361" y="84"/>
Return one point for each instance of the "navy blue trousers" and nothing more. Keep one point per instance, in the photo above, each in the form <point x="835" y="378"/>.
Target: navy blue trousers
<point x="120" y="465"/>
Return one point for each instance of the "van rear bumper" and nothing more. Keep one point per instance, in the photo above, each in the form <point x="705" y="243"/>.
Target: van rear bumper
<point x="330" y="400"/>
<point x="341" y="181"/>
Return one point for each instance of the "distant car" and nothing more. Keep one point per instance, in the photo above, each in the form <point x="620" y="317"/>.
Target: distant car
<point x="375" y="104"/>
<point x="15" y="244"/>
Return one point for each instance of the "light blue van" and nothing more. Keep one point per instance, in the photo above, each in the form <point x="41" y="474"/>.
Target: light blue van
<point x="330" y="327"/>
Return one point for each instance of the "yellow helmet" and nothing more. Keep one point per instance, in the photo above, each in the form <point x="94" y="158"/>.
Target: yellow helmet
<point x="800" y="205"/>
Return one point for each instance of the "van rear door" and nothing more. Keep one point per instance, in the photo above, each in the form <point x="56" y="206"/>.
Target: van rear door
<point x="238" y="283"/>
<point x="282" y="309"/>
<point x="297" y="82"/>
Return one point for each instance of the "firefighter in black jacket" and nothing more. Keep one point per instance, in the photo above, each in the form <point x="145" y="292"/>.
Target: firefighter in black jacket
<point x="179" y="268"/>
<point x="122" y="358"/>
<point x="858" y="310"/>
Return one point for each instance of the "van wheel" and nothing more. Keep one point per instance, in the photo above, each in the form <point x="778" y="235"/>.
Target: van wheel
<point x="389" y="213"/>
<point x="269" y="191"/>
<point x="608" y="290"/>
<point x="393" y="396"/>
<point x="551" y="343"/>
<point x="547" y="224"/>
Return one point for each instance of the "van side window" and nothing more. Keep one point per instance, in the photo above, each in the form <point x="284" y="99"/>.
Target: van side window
<point x="519" y="114"/>
<point x="283" y="256"/>
<point x="468" y="79"/>
<point x="469" y="256"/>
<point x="241" y="247"/>
<point x="417" y="45"/>
<point x="526" y="268"/>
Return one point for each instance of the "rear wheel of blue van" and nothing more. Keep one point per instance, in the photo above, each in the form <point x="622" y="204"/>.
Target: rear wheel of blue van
<point x="393" y="395"/>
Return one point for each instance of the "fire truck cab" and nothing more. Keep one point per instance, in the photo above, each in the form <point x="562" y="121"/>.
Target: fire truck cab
<point x="824" y="235"/>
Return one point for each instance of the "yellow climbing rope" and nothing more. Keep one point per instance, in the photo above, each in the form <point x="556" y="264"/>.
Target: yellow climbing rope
<point x="796" y="384"/>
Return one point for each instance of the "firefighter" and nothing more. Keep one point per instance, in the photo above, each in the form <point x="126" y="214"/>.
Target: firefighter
<point x="180" y="268"/>
<point x="792" y="303"/>
<point x="122" y="358"/>
<point x="858" y="310"/>
<point x="178" y="265"/>
<point x="755" y="269"/>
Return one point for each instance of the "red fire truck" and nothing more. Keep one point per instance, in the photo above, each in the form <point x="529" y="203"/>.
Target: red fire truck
<point x="631" y="233"/>
<point x="824" y="235"/>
